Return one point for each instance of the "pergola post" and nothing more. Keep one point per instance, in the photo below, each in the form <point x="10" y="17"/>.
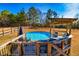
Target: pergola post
<point x="70" y="29"/>
<point x="51" y="26"/>
<point x="50" y="31"/>
<point x="66" y="28"/>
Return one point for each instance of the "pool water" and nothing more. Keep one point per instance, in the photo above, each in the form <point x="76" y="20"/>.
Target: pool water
<point x="37" y="35"/>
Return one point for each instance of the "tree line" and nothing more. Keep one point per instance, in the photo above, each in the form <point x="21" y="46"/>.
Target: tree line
<point x="31" y="17"/>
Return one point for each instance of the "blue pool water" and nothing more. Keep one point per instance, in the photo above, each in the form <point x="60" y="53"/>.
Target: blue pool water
<point x="37" y="35"/>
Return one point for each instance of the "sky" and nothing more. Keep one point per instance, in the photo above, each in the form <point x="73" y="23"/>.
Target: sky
<point x="67" y="10"/>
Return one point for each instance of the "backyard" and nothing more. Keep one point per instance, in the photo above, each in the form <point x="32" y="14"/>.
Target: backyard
<point x="74" y="44"/>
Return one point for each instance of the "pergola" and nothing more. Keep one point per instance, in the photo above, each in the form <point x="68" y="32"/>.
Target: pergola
<point x="62" y="21"/>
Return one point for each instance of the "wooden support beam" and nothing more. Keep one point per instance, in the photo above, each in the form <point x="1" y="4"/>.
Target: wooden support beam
<point x="70" y="29"/>
<point x="62" y="44"/>
<point x="49" y="49"/>
<point x="37" y="49"/>
<point x="50" y="30"/>
<point x="20" y="49"/>
<point x="69" y="42"/>
<point x="67" y="28"/>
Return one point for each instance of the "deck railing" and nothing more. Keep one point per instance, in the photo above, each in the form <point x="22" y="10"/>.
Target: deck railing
<point x="6" y="49"/>
<point x="12" y="46"/>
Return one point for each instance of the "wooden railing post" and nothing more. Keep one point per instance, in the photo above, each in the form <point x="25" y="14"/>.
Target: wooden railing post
<point x="49" y="49"/>
<point x="37" y="49"/>
<point x="6" y="49"/>
<point x="69" y="42"/>
<point x="20" y="49"/>
<point x="62" y="45"/>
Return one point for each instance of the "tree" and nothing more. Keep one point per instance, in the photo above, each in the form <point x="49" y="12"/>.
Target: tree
<point x="50" y="14"/>
<point x="5" y="18"/>
<point x="12" y="19"/>
<point x="39" y="17"/>
<point x="32" y="15"/>
<point x="77" y="16"/>
<point x="54" y="14"/>
<point x="76" y="24"/>
<point x="21" y="17"/>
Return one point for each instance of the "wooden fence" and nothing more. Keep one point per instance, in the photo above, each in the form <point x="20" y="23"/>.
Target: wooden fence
<point x="9" y="30"/>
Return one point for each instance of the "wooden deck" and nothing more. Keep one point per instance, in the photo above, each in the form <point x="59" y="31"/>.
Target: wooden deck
<point x="75" y="46"/>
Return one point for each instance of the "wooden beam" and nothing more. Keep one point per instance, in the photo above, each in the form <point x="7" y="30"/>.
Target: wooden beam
<point x="62" y="44"/>
<point x="37" y="49"/>
<point x="3" y="31"/>
<point x="49" y="49"/>
<point x="20" y="49"/>
<point x="69" y="42"/>
<point x="70" y="30"/>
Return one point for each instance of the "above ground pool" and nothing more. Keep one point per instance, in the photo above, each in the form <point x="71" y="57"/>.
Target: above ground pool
<point x="37" y="36"/>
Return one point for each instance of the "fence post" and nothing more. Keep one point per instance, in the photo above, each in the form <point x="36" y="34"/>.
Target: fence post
<point x="11" y="30"/>
<point x="3" y="31"/>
